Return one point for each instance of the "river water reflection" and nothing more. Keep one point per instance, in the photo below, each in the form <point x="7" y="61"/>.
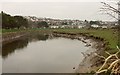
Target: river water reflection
<point x="40" y="53"/>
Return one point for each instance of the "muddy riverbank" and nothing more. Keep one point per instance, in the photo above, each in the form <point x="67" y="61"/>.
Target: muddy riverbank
<point x="91" y="62"/>
<point x="9" y="37"/>
<point x="12" y="36"/>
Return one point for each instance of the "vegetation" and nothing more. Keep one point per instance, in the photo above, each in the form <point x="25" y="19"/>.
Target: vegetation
<point x="111" y="64"/>
<point x="5" y="31"/>
<point x="9" y="21"/>
<point x="64" y="23"/>
<point x="113" y="67"/>
<point x="42" y="24"/>
<point x="19" y="22"/>
<point x="108" y="34"/>
<point x="94" y="22"/>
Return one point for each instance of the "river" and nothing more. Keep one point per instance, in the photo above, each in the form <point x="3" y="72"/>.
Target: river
<point x="41" y="53"/>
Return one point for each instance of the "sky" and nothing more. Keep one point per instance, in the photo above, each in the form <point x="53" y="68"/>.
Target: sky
<point x="57" y="9"/>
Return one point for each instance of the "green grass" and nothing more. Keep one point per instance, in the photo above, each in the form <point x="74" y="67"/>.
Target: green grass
<point x="19" y="30"/>
<point x="9" y="30"/>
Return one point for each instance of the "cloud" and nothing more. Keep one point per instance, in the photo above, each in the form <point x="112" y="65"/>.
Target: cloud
<point x="60" y="10"/>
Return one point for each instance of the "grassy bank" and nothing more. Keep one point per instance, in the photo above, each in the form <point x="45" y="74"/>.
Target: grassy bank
<point x="19" y="30"/>
<point x="108" y="34"/>
<point x="9" y="31"/>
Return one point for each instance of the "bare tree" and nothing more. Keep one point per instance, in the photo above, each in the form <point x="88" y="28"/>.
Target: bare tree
<point x="112" y="61"/>
<point x="113" y="66"/>
<point x="111" y="10"/>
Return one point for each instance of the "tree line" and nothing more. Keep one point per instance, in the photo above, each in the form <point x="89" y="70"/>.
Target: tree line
<point x="10" y="22"/>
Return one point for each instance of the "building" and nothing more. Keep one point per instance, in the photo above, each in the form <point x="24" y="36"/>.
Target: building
<point x="95" y="26"/>
<point x="54" y="27"/>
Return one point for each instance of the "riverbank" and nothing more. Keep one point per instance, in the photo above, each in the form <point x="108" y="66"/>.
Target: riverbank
<point x="14" y="34"/>
<point x="90" y="62"/>
<point x="100" y="42"/>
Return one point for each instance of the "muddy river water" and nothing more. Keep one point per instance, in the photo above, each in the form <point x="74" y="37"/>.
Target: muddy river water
<point x="39" y="53"/>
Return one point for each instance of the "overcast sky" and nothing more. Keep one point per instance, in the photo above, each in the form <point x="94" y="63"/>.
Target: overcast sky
<point x="72" y="9"/>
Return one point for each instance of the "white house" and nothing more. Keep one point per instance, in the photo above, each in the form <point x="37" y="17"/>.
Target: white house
<point x="80" y="26"/>
<point x="54" y="26"/>
<point x="95" y="26"/>
<point x="104" y="27"/>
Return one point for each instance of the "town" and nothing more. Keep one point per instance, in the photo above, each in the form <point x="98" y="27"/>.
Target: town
<point x="68" y="23"/>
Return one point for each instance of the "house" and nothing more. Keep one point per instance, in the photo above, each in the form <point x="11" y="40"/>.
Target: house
<point x="54" y="27"/>
<point x="80" y="26"/>
<point x="95" y="26"/>
<point x="104" y="27"/>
